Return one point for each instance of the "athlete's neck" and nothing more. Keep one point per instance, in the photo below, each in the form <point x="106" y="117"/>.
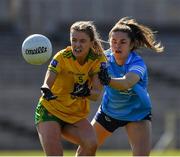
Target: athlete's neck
<point x="81" y="60"/>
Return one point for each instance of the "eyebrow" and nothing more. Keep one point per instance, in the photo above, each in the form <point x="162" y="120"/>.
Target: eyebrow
<point x="123" y="39"/>
<point x="82" y="39"/>
<point x="120" y="40"/>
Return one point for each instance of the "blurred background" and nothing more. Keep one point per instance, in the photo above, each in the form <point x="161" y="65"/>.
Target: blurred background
<point x="20" y="82"/>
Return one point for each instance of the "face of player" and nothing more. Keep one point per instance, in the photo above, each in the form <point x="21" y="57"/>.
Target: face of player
<point x="81" y="44"/>
<point x="120" y="45"/>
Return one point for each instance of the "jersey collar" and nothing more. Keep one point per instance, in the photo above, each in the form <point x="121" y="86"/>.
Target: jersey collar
<point x="111" y="58"/>
<point x="90" y="54"/>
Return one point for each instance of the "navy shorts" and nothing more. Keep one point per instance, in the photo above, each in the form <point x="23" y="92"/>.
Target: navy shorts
<point x="111" y="124"/>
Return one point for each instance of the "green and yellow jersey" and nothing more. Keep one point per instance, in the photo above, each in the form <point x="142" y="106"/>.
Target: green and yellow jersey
<point x="69" y="72"/>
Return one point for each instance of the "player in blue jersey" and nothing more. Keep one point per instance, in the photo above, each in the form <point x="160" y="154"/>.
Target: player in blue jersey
<point x="126" y="102"/>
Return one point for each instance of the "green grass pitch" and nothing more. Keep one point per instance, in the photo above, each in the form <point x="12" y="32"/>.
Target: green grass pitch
<point x="99" y="153"/>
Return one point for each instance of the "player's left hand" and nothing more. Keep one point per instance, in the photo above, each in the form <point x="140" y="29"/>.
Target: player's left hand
<point x="81" y="90"/>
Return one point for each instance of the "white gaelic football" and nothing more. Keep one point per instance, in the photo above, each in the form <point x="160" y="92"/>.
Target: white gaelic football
<point x="36" y="49"/>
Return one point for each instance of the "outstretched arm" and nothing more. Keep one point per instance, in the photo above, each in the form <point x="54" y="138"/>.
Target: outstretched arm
<point x="122" y="83"/>
<point x="48" y="83"/>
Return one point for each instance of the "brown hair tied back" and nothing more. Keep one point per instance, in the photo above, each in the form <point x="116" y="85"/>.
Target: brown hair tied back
<point x="140" y="35"/>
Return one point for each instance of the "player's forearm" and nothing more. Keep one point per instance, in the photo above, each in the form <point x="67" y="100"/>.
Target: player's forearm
<point x="124" y="83"/>
<point x="49" y="79"/>
<point x="95" y="94"/>
<point x="96" y="89"/>
<point x="120" y="84"/>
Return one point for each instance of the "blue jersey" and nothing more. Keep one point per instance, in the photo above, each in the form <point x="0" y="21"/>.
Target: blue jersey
<point x="132" y="104"/>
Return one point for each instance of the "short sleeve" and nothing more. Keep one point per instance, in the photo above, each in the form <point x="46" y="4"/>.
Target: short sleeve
<point x="139" y="68"/>
<point x="56" y="63"/>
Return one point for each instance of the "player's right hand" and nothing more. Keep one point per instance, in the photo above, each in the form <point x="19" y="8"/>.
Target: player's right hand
<point x="103" y="75"/>
<point x="47" y="94"/>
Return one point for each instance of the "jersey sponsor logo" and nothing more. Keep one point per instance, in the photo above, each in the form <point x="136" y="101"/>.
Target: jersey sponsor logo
<point x="54" y="63"/>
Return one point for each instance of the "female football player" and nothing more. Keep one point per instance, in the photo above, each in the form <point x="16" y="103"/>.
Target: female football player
<point x="70" y="81"/>
<point x="126" y="101"/>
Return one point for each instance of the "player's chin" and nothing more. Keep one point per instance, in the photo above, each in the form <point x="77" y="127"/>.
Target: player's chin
<point x="78" y="54"/>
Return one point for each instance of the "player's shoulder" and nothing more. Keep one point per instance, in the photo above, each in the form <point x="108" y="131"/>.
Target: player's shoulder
<point x="135" y="58"/>
<point x="65" y="53"/>
<point x="93" y="56"/>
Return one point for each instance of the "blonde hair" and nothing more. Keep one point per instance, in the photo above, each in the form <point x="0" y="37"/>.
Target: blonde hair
<point x="89" y="28"/>
<point x="140" y="35"/>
